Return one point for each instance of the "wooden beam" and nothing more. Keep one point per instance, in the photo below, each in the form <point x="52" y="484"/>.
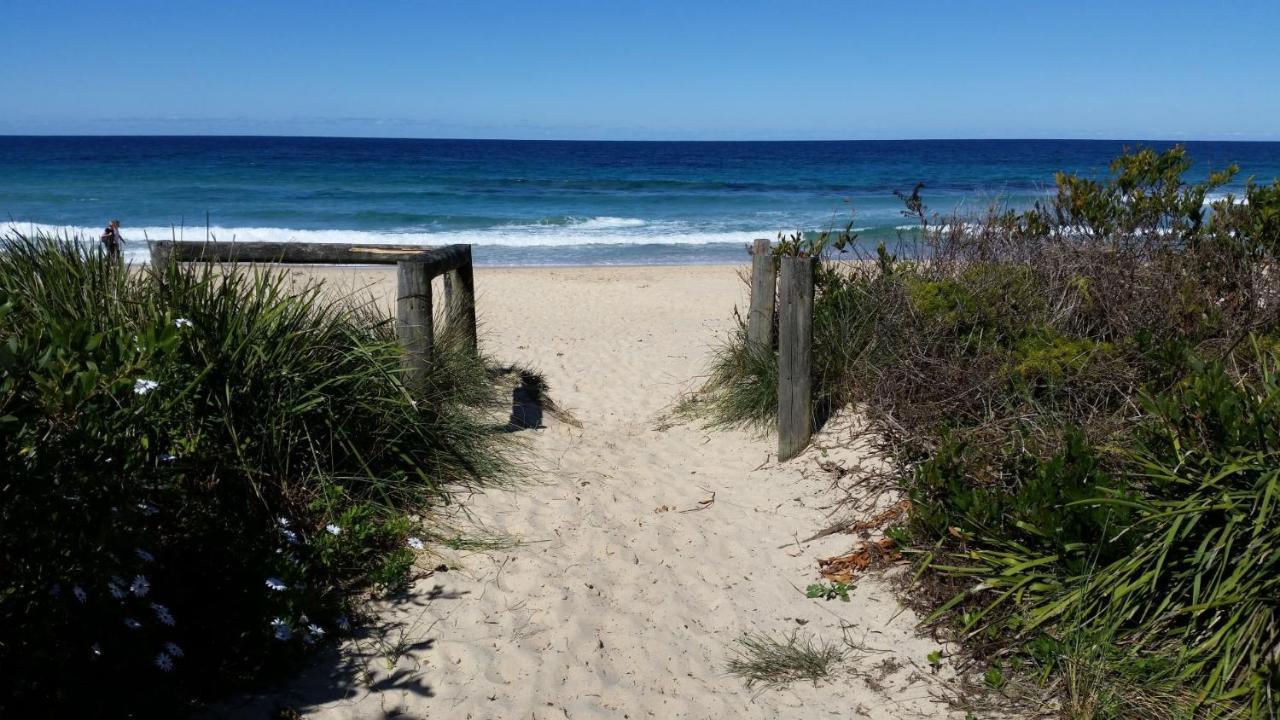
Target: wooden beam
<point x="460" y="300"/>
<point x="414" y="325"/>
<point x="438" y="259"/>
<point x="445" y="258"/>
<point x="764" y="283"/>
<point x="795" y="356"/>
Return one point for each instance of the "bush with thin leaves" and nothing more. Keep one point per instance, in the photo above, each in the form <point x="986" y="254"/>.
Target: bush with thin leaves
<point x="201" y="469"/>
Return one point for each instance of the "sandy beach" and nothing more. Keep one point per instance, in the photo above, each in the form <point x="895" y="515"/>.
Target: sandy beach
<point x="644" y="549"/>
<point x="1015" y="331"/>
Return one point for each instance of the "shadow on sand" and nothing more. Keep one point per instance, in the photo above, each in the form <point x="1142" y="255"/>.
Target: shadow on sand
<point x="526" y="404"/>
<point x="385" y="659"/>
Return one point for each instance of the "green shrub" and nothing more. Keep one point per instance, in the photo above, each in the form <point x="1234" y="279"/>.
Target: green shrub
<point x="1070" y="398"/>
<point x="202" y="469"/>
<point x="986" y="304"/>
<point x="1179" y="567"/>
<point x="1031" y="503"/>
<point x="1202" y="581"/>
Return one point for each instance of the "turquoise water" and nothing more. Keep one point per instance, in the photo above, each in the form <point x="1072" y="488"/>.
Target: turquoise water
<point x="534" y="202"/>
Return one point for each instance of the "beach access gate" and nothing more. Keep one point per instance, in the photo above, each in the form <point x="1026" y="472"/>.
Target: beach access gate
<point x="416" y="266"/>
<point x="786" y="280"/>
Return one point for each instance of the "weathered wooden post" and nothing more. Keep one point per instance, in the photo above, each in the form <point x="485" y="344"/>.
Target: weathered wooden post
<point x="159" y="254"/>
<point x="460" y="299"/>
<point x="413" y="317"/>
<point x="764" y="283"/>
<point x="795" y="355"/>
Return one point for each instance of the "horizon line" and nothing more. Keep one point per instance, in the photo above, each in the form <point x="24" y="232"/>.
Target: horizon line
<point x="625" y="140"/>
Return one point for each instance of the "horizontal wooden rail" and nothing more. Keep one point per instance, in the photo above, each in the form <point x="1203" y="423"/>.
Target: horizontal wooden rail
<point x="447" y="257"/>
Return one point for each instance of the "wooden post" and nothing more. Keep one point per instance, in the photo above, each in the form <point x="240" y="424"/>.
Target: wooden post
<point x="159" y="255"/>
<point x="764" y="283"/>
<point x="413" y="318"/>
<point x="795" y="356"/>
<point x="460" y="300"/>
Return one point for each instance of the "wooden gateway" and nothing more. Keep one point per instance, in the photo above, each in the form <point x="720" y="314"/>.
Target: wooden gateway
<point x="416" y="266"/>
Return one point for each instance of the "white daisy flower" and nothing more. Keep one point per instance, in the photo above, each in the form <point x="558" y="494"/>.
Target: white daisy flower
<point x="281" y="629"/>
<point x="142" y="386"/>
<point x="164" y="662"/>
<point x="80" y="594"/>
<point x="290" y="535"/>
<point x="140" y="586"/>
<point x="173" y="650"/>
<point x="132" y="624"/>
<point x="314" y="634"/>
<point x="342" y="623"/>
<point x="144" y="556"/>
<point x="182" y="323"/>
<point x="148" y="509"/>
<point x="333" y="529"/>
<point x="162" y="614"/>
<point x="416" y="543"/>
<point x="276" y="584"/>
<point x="96" y="649"/>
<point x="167" y="458"/>
<point x="284" y="522"/>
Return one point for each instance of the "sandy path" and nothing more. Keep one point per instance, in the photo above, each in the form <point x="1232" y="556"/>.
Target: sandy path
<point x="609" y="608"/>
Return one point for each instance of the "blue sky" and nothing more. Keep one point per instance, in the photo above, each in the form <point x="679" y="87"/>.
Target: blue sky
<point x="655" y="69"/>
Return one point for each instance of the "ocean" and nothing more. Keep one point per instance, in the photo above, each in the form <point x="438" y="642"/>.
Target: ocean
<point x="535" y="202"/>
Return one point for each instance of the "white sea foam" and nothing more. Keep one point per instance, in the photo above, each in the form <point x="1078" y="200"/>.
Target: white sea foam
<point x="595" y="231"/>
<point x="605" y="221"/>
<point x="1237" y="198"/>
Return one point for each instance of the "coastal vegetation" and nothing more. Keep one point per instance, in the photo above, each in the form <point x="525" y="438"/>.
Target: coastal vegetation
<point x="773" y="663"/>
<point x="203" y="471"/>
<point x="1081" y="402"/>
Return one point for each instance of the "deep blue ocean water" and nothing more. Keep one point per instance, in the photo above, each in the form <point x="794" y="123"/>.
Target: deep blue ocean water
<point x="535" y="202"/>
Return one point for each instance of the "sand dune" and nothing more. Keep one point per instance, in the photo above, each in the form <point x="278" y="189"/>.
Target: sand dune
<point x="618" y="602"/>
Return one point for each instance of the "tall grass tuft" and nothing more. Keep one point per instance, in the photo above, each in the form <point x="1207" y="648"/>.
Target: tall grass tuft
<point x="741" y="389"/>
<point x="774" y="663"/>
<point x="203" y="469"/>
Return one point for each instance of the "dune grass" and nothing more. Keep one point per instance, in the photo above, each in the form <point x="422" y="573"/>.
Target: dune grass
<point x="769" y="662"/>
<point x="203" y="471"/>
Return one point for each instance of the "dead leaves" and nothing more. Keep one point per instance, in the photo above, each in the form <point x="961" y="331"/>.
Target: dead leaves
<point x="841" y="568"/>
<point x="890" y="516"/>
